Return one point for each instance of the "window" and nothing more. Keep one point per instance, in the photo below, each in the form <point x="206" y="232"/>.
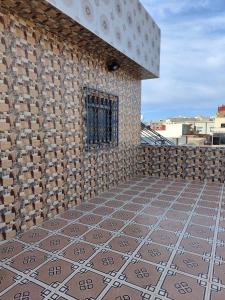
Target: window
<point x="101" y="119"/>
<point x="222" y="125"/>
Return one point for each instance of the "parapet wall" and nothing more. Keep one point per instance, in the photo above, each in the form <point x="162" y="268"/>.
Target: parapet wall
<point x="190" y="163"/>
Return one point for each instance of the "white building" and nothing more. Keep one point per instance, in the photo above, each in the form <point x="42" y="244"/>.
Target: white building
<point x="175" y="132"/>
<point x="201" y="125"/>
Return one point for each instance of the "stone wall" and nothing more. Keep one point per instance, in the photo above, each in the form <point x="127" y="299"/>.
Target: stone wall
<point x="44" y="167"/>
<point x="189" y="163"/>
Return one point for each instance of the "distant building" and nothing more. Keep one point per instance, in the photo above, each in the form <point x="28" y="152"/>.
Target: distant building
<point x="197" y="130"/>
<point x="180" y="129"/>
<point x="175" y="132"/>
<point x="201" y="125"/>
<point x="218" y="131"/>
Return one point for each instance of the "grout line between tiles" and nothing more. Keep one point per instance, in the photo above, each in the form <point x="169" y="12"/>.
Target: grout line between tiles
<point x="162" y="278"/>
<point x="216" y="229"/>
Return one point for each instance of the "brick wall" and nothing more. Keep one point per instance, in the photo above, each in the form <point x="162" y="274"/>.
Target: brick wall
<point x="44" y="168"/>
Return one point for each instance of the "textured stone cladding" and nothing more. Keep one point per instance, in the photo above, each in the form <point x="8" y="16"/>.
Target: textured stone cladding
<point x="44" y="167"/>
<point x="189" y="163"/>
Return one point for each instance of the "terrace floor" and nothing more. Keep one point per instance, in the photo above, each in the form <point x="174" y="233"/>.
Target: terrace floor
<point x="146" y="239"/>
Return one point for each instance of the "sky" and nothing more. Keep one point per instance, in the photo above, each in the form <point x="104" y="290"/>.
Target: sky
<point x="192" y="68"/>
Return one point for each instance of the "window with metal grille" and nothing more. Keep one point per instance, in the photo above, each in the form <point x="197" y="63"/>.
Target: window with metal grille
<point x="101" y="119"/>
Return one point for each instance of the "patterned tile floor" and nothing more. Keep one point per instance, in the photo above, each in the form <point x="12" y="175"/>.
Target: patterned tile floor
<point x="146" y="239"/>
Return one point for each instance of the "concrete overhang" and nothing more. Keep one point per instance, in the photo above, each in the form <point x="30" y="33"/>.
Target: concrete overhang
<point x="115" y="29"/>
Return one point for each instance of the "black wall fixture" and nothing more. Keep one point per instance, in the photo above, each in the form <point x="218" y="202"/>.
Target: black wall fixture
<point x="113" y="65"/>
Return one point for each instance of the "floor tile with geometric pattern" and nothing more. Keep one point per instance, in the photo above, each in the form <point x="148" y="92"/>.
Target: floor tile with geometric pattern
<point x="148" y="238"/>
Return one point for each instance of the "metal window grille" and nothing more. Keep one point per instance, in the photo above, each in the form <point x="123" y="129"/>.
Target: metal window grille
<point x="101" y="119"/>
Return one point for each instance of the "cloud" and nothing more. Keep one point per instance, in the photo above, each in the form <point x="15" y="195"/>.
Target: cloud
<point x="165" y="7"/>
<point x="192" y="76"/>
<point x="216" y="61"/>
